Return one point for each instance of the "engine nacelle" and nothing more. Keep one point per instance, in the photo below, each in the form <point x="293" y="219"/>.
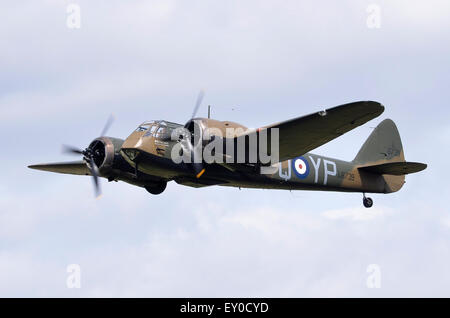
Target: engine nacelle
<point x="210" y="127"/>
<point x="105" y="150"/>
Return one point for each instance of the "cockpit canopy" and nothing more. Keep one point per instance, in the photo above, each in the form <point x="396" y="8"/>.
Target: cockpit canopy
<point x="160" y="129"/>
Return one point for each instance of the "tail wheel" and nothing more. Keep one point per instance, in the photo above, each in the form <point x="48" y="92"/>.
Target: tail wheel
<point x="368" y="202"/>
<point x="157" y="188"/>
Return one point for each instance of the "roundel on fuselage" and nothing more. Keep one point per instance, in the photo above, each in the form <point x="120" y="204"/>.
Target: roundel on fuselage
<point x="301" y="167"/>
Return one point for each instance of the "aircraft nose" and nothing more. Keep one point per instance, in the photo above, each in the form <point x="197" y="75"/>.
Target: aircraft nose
<point x="133" y="141"/>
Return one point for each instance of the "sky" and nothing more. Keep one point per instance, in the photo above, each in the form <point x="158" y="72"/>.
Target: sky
<point x="259" y="62"/>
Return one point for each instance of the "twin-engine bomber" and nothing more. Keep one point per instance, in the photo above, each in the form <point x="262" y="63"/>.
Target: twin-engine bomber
<point x="146" y="157"/>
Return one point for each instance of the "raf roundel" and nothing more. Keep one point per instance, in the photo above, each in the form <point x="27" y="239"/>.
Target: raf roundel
<point x="301" y="167"/>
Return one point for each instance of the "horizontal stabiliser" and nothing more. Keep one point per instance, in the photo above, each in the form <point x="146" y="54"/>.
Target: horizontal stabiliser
<point x="395" y="168"/>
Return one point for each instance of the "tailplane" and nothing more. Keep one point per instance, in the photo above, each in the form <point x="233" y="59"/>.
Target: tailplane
<point x="396" y="168"/>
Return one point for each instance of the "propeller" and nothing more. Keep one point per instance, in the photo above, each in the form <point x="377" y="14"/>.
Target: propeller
<point x="108" y="124"/>
<point x="198" y="103"/>
<point x="72" y="150"/>
<point x="89" y="157"/>
<point x="198" y="168"/>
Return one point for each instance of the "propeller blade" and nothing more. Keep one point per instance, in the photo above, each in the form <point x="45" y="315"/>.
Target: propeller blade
<point x="72" y="150"/>
<point x="95" y="173"/>
<point x="107" y="125"/>
<point x="199" y="170"/>
<point x="198" y="103"/>
<point x="198" y="167"/>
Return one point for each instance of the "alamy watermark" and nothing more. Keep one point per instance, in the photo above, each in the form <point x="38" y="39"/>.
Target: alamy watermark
<point x="234" y="145"/>
<point x="374" y="18"/>
<point x="74" y="278"/>
<point x="374" y="278"/>
<point x="73" y="20"/>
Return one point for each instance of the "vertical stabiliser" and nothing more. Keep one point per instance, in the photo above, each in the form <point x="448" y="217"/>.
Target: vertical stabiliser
<point x="383" y="146"/>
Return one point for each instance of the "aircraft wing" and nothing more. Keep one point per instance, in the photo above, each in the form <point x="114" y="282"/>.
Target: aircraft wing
<point x="302" y="134"/>
<point x="75" y="167"/>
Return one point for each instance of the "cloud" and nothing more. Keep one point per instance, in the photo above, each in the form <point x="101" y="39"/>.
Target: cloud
<point x="358" y="214"/>
<point x="251" y="250"/>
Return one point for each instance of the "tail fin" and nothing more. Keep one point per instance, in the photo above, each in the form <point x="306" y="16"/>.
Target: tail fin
<point x="382" y="153"/>
<point x="383" y="145"/>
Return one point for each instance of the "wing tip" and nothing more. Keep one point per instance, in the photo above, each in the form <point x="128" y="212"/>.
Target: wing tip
<point x="377" y="106"/>
<point x="40" y="167"/>
<point x="369" y="107"/>
<point x="421" y="166"/>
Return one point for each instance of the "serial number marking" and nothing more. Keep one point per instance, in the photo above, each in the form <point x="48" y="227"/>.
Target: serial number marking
<point x="346" y="175"/>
